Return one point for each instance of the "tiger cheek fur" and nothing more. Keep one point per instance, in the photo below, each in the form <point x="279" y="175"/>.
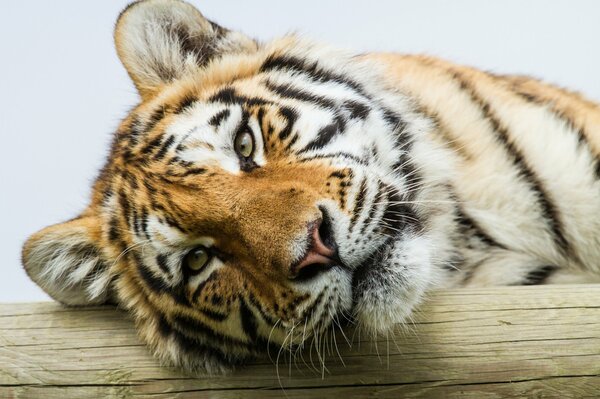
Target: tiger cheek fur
<point x="261" y="192"/>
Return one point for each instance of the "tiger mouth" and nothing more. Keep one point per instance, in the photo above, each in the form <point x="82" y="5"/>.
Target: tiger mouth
<point x="327" y="307"/>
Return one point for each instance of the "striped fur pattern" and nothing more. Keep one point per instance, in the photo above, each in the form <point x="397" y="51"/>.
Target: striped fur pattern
<point x="423" y="173"/>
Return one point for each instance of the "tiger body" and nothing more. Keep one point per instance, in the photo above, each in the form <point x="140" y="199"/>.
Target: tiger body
<point x="371" y="180"/>
<point x="524" y="160"/>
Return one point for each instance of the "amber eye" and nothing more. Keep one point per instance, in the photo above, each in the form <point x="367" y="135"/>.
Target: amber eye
<point x="196" y="259"/>
<point x="244" y="144"/>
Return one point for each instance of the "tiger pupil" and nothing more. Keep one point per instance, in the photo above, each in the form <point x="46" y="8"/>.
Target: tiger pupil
<point x="244" y="145"/>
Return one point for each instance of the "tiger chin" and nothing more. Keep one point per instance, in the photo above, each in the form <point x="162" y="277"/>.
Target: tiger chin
<point x="259" y="193"/>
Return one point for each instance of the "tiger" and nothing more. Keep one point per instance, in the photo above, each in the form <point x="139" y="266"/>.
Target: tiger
<point x="261" y="193"/>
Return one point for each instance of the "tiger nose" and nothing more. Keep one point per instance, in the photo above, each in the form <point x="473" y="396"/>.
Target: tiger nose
<point x="321" y="253"/>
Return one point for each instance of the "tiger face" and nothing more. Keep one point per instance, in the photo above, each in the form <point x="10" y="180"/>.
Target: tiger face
<point x="257" y="193"/>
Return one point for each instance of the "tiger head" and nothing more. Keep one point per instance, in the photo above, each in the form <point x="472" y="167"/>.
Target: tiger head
<point x="257" y="193"/>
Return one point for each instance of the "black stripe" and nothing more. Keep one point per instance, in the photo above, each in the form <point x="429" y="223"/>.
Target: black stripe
<point x="394" y="119"/>
<point x="266" y="317"/>
<point x="192" y="171"/>
<point x="192" y="336"/>
<point x="162" y="261"/>
<point x="290" y="116"/>
<point x="185" y="103"/>
<point x="216" y="300"/>
<point x="131" y="179"/>
<point x="144" y="221"/>
<point x="260" y="118"/>
<point x="125" y="206"/>
<point x="549" y="210"/>
<point x="107" y="194"/>
<point x="539" y="275"/>
<point x="359" y="202"/>
<point x="374" y="205"/>
<point x="113" y="230"/>
<point x="164" y="148"/>
<point x="308" y="312"/>
<point x="173" y="222"/>
<point x="290" y="92"/>
<point x="152" y="145"/>
<point x="228" y="95"/>
<point x="357" y="110"/>
<point x="156" y="116"/>
<point x="212" y="314"/>
<point x="157" y="284"/>
<point x="168" y="216"/>
<point x="412" y="177"/>
<point x="340" y="154"/>
<point x="398" y="215"/>
<point x="202" y="352"/>
<point x="219" y="117"/>
<point x="338" y="174"/>
<point x="196" y="328"/>
<point x="175" y="159"/>
<point x="151" y="189"/>
<point x="313" y="71"/>
<point x="185" y="164"/>
<point x="292" y="141"/>
<point x="469" y="226"/>
<point x="225" y="95"/>
<point x="136" y="223"/>
<point x="135" y="129"/>
<point x="163" y="326"/>
<point x="154" y="283"/>
<point x="326" y="134"/>
<point x="248" y="320"/>
<point x="403" y="140"/>
<point x="200" y="287"/>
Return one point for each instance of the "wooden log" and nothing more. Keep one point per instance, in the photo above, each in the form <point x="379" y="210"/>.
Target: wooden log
<point x="505" y="342"/>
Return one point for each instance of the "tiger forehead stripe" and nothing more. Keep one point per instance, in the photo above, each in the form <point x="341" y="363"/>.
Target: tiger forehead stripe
<point x="228" y="95"/>
<point x="219" y="117"/>
<point x="288" y="91"/>
<point x="316" y="72"/>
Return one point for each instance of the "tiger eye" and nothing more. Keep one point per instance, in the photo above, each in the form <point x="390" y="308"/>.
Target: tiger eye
<point x="196" y="259"/>
<point x="244" y="144"/>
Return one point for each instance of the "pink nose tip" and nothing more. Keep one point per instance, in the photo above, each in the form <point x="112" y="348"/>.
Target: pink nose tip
<point x="318" y="252"/>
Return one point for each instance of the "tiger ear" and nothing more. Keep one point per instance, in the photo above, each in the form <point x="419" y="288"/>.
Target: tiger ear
<point x="159" y="41"/>
<point x="66" y="262"/>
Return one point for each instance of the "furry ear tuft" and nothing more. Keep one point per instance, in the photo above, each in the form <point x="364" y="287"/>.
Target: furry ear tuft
<point x="159" y="41"/>
<point x="66" y="262"/>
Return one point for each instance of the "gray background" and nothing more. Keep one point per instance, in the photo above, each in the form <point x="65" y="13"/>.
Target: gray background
<point x="63" y="90"/>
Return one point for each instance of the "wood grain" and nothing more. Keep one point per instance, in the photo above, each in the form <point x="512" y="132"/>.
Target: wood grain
<point x="503" y="342"/>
